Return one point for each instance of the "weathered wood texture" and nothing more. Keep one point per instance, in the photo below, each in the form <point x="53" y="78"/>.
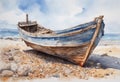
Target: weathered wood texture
<point x="73" y="54"/>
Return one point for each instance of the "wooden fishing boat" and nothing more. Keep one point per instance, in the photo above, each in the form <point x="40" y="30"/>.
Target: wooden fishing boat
<point x="73" y="44"/>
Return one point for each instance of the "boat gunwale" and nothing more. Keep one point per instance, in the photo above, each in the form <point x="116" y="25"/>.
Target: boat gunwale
<point x="59" y="35"/>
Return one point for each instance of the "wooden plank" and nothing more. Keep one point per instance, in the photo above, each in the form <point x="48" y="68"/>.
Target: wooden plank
<point x="99" y="20"/>
<point x="79" y="31"/>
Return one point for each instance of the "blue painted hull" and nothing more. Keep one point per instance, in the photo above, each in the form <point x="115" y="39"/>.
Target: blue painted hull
<point x="77" y="39"/>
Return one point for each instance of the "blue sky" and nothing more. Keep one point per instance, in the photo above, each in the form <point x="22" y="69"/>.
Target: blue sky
<point x="60" y="14"/>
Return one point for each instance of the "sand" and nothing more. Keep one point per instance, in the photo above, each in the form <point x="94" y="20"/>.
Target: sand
<point x="21" y="63"/>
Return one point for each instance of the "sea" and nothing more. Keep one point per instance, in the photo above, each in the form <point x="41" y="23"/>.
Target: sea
<point x="13" y="33"/>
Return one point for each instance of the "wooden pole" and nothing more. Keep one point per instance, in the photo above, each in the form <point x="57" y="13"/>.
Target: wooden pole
<point x="26" y="18"/>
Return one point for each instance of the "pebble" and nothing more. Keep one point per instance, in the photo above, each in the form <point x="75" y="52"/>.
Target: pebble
<point x="68" y="71"/>
<point x="105" y="54"/>
<point x="4" y="65"/>
<point x="14" y="66"/>
<point x="7" y="73"/>
<point x="11" y="58"/>
<point x="23" y="70"/>
<point x="56" y="75"/>
<point x="110" y="51"/>
<point x="98" y="65"/>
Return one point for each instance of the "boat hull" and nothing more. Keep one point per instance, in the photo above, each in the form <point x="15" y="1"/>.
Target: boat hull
<point x="73" y="54"/>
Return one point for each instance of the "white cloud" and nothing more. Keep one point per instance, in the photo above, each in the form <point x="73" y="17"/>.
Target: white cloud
<point x="64" y="7"/>
<point x="64" y="13"/>
<point x="10" y="12"/>
<point x="109" y="8"/>
<point x="61" y="14"/>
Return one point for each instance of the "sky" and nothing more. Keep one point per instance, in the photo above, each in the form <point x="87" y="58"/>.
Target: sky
<point x="60" y="14"/>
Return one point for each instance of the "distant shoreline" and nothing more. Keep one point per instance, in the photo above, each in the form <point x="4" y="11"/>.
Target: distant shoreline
<point x="109" y="42"/>
<point x="102" y="41"/>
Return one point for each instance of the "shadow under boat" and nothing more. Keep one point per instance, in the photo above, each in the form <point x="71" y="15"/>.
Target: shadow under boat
<point x="105" y="61"/>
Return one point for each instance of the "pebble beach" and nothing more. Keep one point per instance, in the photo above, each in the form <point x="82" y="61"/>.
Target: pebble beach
<point x="20" y="62"/>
